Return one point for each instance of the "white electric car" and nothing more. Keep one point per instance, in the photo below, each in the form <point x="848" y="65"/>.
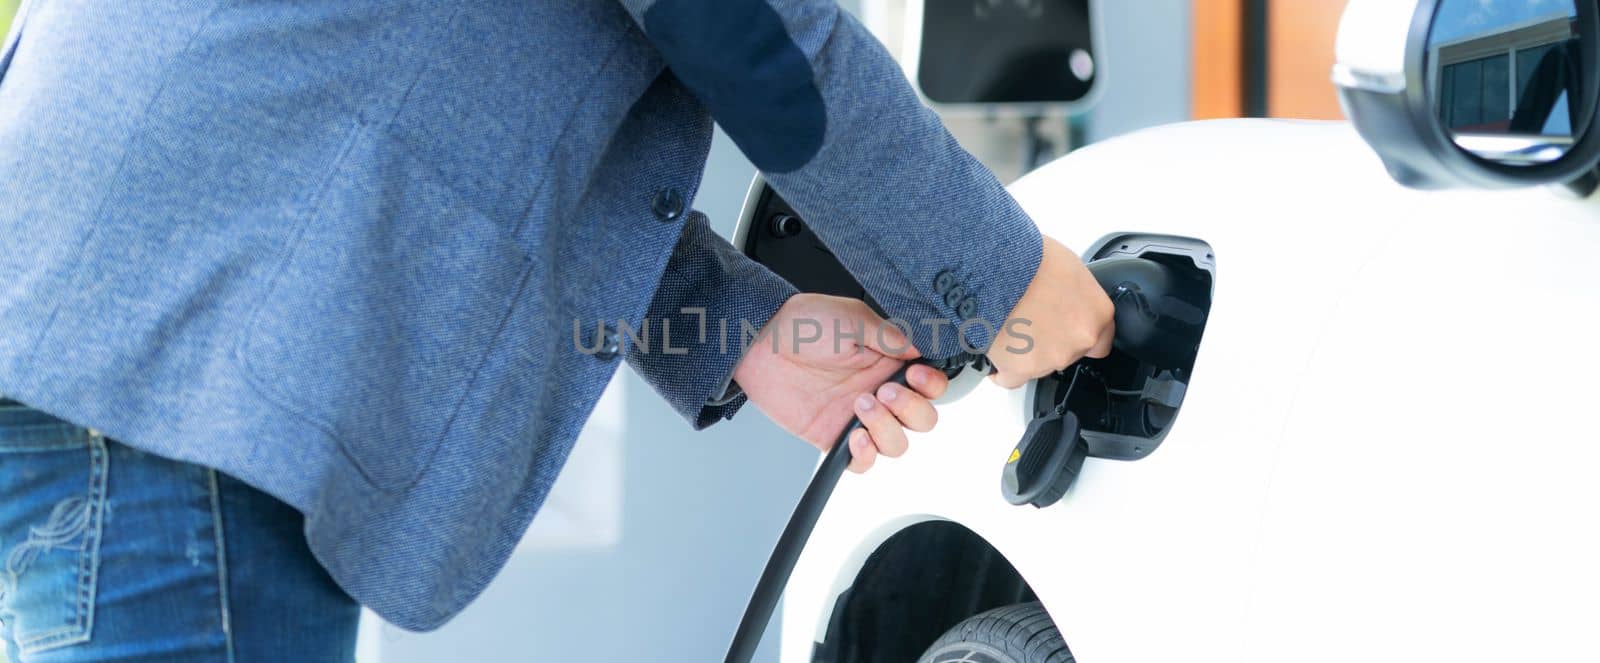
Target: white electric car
<point x="1379" y="449"/>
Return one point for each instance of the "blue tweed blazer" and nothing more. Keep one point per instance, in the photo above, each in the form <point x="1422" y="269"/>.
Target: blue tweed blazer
<point x="372" y="257"/>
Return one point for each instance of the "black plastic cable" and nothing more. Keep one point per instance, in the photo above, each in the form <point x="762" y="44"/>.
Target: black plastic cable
<point x="764" y="600"/>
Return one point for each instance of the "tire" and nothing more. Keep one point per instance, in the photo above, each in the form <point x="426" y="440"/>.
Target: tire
<point x="1021" y="633"/>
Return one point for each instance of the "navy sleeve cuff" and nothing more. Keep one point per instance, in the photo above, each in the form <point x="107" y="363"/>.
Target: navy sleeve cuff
<point x="709" y="299"/>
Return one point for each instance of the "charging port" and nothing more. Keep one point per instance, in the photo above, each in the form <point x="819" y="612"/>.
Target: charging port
<point x="1123" y="405"/>
<point x="1127" y="402"/>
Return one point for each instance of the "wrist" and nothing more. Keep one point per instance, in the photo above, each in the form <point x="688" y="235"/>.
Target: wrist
<point x="755" y="362"/>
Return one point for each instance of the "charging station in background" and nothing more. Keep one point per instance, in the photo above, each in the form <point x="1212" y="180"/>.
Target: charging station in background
<point x="1037" y="62"/>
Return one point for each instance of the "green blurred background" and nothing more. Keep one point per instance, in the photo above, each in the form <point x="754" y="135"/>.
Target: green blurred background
<point x="7" y="8"/>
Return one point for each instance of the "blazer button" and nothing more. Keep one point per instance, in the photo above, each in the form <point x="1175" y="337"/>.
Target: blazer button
<point x="953" y="297"/>
<point x="944" y="282"/>
<point x="668" y="204"/>
<point x="967" y="309"/>
<point x="608" y="345"/>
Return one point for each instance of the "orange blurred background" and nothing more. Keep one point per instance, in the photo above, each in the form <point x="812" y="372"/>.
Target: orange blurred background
<point x="1298" y="58"/>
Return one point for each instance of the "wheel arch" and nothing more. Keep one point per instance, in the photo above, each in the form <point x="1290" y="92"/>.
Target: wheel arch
<point x="909" y="582"/>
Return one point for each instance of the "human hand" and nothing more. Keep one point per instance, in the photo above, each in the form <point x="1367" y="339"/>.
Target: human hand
<point x="812" y="387"/>
<point x="1065" y="312"/>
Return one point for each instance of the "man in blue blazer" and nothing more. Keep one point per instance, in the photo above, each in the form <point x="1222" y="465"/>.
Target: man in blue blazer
<point x="303" y="304"/>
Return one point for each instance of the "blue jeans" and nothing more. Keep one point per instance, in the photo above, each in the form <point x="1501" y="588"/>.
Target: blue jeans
<point x="109" y="553"/>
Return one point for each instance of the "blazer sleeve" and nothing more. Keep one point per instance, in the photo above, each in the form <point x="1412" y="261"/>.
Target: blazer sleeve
<point x="709" y="295"/>
<point x="820" y="107"/>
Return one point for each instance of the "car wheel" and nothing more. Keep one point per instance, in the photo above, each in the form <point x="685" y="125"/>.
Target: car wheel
<point x="1021" y="633"/>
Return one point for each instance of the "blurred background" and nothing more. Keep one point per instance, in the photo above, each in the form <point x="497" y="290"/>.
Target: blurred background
<point x="653" y="537"/>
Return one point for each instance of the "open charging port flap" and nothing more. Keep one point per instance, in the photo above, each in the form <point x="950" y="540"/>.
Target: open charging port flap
<point x="1122" y="406"/>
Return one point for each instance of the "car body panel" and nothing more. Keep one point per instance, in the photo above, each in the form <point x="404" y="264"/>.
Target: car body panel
<point x="1332" y="412"/>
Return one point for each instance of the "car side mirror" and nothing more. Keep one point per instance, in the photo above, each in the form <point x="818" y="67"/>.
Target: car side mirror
<point x="1474" y="93"/>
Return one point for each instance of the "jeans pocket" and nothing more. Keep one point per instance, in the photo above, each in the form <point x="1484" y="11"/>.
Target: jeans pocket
<point x="52" y="504"/>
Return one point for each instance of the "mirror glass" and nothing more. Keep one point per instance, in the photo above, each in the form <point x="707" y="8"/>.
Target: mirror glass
<point x="1006" y="51"/>
<point x="1504" y="77"/>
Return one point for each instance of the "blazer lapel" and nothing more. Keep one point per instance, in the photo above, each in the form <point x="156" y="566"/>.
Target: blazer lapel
<point x="12" y="37"/>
